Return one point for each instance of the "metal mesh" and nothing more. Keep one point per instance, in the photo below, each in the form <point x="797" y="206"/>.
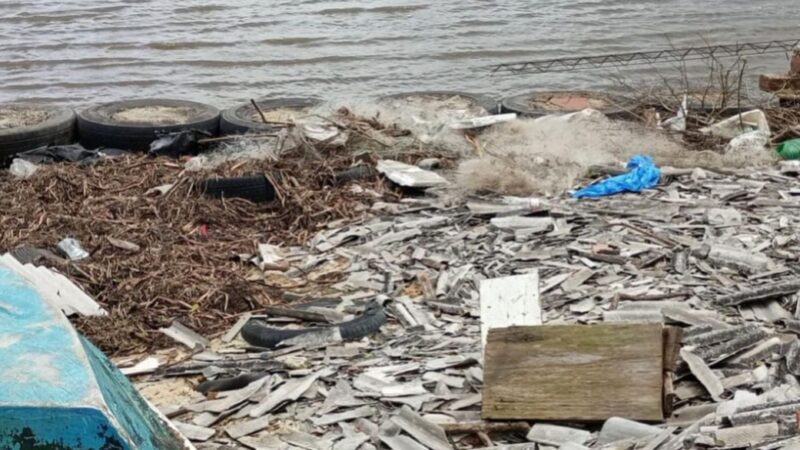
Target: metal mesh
<point x="651" y="57"/>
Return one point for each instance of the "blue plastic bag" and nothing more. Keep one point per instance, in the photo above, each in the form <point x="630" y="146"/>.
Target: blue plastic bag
<point x="643" y="174"/>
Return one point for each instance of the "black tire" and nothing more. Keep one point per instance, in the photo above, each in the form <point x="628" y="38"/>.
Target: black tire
<point x="229" y="384"/>
<point x="96" y="128"/>
<point x="57" y="129"/>
<point x="238" y="120"/>
<point x="484" y="101"/>
<point x="359" y="172"/>
<point x="617" y="107"/>
<point x="255" y="188"/>
<point x="260" y="335"/>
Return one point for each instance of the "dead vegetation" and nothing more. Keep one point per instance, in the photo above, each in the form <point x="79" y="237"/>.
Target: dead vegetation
<point x="190" y="266"/>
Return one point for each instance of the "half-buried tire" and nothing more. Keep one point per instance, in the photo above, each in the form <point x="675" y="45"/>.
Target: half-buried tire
<point x="244" y="118"/>
<point x="488" y="104"/>
<point x="255" y="188"/>
<point x="25" y="127"/>
<point x="538" y="104"/>
<point x="134" y="124"/>
<point x="257" y="333"/>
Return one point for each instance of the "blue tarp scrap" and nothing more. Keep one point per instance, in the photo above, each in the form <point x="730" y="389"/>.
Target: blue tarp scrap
<point x="642" y="174"/>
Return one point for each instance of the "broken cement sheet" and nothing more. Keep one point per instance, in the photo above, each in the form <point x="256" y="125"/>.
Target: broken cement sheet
<point x="55" y="287"/>
<point x="637" y="256"/>
<point x="556" y="435"/>
<point x="703" y="374"/>
<point x="185" y="336"/>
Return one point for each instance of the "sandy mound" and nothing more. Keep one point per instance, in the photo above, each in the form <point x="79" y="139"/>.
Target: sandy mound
<point x="15" y="118"/>
<point x="157" y="115"/>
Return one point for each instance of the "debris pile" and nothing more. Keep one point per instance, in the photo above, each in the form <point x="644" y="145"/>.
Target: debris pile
<point x="713" y="254"/>
<point x="160" y="249"/>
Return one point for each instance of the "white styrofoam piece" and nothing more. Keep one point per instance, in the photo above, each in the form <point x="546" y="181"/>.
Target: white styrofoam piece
<point x="510" y="301"/>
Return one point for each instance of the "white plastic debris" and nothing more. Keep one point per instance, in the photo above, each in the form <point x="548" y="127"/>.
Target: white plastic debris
<point x="732" y="127"/>
<point x="72" y="249"/>
<point x="677" y="123"/>
<point x="748" y="143"/>
<point x="587" y="115"/>
<point x="408" y="175"/>
<point x="485" y="121"/>
<point x="21" y="168"/>
<point x="533" y="203"/>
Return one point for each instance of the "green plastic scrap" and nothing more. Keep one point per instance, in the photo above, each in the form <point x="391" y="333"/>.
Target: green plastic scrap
<point x="789" y="149"/>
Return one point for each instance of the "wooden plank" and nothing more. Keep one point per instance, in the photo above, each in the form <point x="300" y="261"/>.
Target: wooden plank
<point x="574" y="373"/>
<point x="510" y="301"/>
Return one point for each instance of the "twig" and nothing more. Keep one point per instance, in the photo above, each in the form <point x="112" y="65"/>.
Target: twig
<point x="485" y="427"/>
<point x="231" y="138"/>
<point x="260" y="113"/>
<point x="624" y="296"/>
<point x="264" y="118"/>
<point x="344" y="127"/>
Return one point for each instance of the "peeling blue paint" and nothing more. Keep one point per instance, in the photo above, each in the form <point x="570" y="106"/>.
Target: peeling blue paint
<point x="144" y="427"/>
<point x="58" y="391"/>
<point x="67" y="428"/>
<point x="40" y="361"/>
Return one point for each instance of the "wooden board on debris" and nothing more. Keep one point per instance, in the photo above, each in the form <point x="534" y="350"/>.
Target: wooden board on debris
<point x="574" y="372"/>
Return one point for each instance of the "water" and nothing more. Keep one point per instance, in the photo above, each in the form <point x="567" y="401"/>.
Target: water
<point x="225" y="51"/>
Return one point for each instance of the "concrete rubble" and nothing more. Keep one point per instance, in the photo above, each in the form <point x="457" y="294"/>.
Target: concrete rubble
<point x="712" y="253"/>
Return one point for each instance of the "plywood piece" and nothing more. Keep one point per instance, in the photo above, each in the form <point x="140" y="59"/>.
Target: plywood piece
<point x="510" y="301"/>
<point x="574" y="373"/>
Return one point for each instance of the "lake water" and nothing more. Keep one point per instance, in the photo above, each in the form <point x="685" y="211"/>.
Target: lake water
<point x="226" y="51"/>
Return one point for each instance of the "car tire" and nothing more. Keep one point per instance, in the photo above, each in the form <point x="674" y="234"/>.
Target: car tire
<point x="97" y="128"/>
<point x="238" y="120"/>
<point x="255" y="188"/>
<point x="57" y="129"/>
<point x="256" y="333"/>
<point x="484" y="101"/>
<point x="617" y="108"/>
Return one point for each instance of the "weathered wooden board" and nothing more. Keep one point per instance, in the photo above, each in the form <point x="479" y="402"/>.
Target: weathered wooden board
<point x="510" y="301"/>
<point x="574" y="372"/>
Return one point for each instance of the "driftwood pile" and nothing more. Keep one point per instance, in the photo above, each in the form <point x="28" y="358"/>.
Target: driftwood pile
<point x="160" y="249"/>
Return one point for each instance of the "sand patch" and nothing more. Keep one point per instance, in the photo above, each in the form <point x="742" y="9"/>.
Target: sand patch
<point x="169" y="391"/>
<point x="568" y="102"/>
<point x="16" y="118"/>
<point x="280" y="115"/>
<point x="156" y="115"/>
